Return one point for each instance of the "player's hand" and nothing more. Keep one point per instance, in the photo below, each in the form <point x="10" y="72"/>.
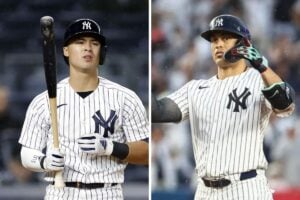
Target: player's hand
<point x="244" y="49"/>
<point x="95" y="144"/>
<point x="53" y="161"/>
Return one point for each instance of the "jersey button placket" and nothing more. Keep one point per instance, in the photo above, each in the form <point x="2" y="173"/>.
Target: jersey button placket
<point x="214" y="128"/>
<point x="83" y="114"/>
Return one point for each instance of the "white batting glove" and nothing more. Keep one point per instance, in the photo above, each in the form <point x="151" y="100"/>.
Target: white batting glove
<point x="53" y="161"/>
<point x="95" y="144"/>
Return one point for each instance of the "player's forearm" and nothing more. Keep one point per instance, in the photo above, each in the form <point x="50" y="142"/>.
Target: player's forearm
<point x="138" y="153"/>
<point x="270" y="77"/>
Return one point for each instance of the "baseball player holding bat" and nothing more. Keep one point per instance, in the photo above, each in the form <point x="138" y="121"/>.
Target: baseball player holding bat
<point x="228" y="114"/>
<point x="102" y="125"/>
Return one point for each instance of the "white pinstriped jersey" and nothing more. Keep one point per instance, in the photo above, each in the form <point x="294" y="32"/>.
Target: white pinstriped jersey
<point x="111" y="110"/>
<point x="228" y="118"/>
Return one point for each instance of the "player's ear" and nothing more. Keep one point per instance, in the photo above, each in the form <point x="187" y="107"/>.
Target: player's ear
<point x="66" y="51"/>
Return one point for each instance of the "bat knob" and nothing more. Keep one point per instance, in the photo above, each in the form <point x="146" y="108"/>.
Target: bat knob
<point x="46" y="21"/>
<point x="47" y="25"/>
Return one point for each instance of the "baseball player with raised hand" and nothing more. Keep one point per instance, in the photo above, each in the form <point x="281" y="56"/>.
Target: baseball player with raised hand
<point x="228" y="114"/>
<point x="102" y="125"/>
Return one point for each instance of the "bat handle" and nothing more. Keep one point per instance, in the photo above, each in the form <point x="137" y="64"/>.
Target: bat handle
<point x="59" y="177"/>
<point x="59" y="180"/>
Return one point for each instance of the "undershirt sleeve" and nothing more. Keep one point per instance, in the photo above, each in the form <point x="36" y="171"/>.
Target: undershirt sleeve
<point x="165" y="110"/>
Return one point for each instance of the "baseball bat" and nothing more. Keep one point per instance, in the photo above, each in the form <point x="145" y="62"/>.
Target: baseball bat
<point x="49" y="54"/>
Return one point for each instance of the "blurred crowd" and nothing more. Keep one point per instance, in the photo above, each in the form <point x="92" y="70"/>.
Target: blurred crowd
<point x="11" y="169"/>
<point x="179" y="54"/>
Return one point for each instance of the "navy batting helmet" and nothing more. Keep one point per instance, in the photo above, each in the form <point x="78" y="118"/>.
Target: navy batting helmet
<point x="227" y="23"/>
<point x="86" y="27"/>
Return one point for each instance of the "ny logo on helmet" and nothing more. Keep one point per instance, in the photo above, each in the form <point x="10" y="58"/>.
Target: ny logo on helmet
<point x="86" y="25"/>
<point x="219" y="22"/>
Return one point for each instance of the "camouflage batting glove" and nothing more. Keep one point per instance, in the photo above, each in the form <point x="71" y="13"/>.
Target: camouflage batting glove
<point x="252" y="54"/>
<point x="244" y="49"/>
<point x="95" y="144"/>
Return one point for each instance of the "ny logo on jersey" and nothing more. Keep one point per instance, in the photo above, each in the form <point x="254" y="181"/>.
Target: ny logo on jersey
<point x="108" y="125"/>
<point x="86" y="25"/>
<point x="238" y="100"/>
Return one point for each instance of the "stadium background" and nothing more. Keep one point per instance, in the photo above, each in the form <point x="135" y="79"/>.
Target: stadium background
<point x="125" y="25"/>
<point x="179" y="54"/>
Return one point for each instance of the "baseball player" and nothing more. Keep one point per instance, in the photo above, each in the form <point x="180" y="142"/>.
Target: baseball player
<point x="102" y="125"/>
<point x="228" y="114"/>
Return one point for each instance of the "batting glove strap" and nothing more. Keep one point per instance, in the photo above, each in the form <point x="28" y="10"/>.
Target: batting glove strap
<point x="107" y="146"/>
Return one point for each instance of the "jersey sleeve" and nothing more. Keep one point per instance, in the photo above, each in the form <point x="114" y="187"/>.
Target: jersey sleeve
<point x="180" y="97"/>
<point x="135" y="125"/>
<point x="35" y="127"/>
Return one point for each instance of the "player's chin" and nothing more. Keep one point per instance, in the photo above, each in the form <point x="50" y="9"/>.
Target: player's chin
<point x="220" y="61"/>
<point x="224" y="64"/>
<point x="89" y="65"/>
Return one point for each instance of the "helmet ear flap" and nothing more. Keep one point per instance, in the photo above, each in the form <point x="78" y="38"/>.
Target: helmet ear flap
<point x="102" y="54"/>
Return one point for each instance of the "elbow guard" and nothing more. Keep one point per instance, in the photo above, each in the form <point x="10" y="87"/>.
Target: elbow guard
<point x="280" y="95"/>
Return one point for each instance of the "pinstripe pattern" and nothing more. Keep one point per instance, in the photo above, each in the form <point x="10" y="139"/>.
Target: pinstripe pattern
<point x="227" y="139"/>
<point x="75" y="118"/>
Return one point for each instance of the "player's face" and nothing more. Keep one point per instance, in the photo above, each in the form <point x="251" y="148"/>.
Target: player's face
<point x="83" y="53"/>
<point x="220" y="43"/>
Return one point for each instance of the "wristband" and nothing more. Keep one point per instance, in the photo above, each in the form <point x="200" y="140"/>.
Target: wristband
<point x="42" y="162"/>
<point x="120" y="150"/>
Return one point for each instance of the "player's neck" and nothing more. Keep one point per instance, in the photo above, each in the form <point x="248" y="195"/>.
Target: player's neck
<point x="83" y="82"/>
<point x="232" y="70"/>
